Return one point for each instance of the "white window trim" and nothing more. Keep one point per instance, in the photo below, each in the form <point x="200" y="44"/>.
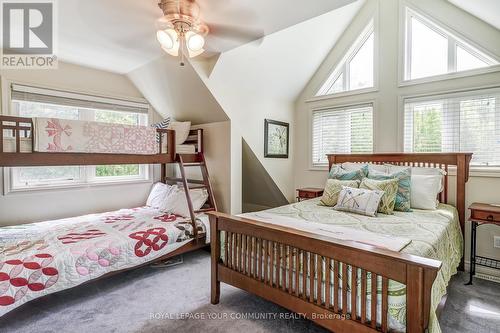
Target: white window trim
<point x="147" y="173"/>
<point x="349" y="54"/>
<point x="336" y="105"/>
<point x="475" y="171"/>
<point x="404" y="49"/>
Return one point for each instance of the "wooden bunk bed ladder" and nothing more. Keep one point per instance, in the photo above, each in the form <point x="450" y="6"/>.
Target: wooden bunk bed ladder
<point x="196" y="160"/>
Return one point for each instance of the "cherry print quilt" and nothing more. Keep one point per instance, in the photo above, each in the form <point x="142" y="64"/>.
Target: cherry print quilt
<point x="42" y="258"/>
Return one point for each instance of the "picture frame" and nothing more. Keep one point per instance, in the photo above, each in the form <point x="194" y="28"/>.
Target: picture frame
<point x="276" y="139"/>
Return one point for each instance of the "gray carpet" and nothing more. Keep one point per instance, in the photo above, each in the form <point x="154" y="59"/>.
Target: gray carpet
<point x="159" y="300"/>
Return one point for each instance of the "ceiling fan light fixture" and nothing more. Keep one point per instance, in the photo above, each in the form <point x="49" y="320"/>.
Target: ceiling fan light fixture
<point x="167" y="38"/>
<point x="195" y="42"/>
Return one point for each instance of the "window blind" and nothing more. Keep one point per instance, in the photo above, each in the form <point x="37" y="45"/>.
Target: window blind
<point x="341" y="130"/>
<point x="459" y="122"/>
<point x="58" y="97"/>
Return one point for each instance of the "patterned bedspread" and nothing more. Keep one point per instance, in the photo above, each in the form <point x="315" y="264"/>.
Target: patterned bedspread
<point x="79" y="136"/>
<point x="434" y="234"/>
<point x="42" y="258"/>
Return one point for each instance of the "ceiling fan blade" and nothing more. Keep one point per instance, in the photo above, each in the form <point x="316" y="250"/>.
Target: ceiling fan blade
<point x="233" y="32"/>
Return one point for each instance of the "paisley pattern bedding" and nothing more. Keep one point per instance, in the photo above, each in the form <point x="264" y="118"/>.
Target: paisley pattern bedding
<point x="42" y="258"/>
<point x="434" y="234"/>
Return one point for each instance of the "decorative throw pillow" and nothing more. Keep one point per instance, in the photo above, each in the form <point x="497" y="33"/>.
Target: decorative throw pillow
<point x="332" y="190"/>
<point x="403" y="197"/>
<point x="161" y="125"/>
<point x="360" y="201"/>
<point x="390" y="188"/>
<point x="181" y="131"/>
<point x="336" y="172"/>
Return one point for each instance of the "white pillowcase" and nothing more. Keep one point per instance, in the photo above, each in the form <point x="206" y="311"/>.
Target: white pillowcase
<point x="158" y="195"/>
<point x="350" y="166"/>
<point x="181" y="131"/>
<point x="426" y="184"/>
<point x="177" y="202"/>
<point x="358" y="200"/>
<point x="424" y="191"/>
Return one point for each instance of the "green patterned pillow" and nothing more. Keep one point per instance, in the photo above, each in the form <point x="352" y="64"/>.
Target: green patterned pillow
<point x="404" y="186"/>
<point x="337" y="172"/>
<point x="332" y="190"/>
<point x="390" y="188"/>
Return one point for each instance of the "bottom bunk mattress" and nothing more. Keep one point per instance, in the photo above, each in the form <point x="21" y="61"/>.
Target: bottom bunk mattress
<point x="432" y="234"/>
<point x="42" y="258"/>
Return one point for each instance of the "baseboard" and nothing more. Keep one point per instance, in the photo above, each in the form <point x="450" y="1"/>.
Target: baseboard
<point x="485" y="273"/>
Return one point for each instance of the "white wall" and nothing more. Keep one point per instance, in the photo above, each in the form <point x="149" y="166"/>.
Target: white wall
<point x="18" y="208"/>
<point x="387" y="110"/>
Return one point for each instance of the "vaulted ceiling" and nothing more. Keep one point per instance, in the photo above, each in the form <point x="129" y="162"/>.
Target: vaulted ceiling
<point x="486" y="10"/>
<point x="119" y="35"/>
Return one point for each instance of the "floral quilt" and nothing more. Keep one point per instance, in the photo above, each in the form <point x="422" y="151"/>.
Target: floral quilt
<point x="77" y="136"/>
<point x="42" y="258"/>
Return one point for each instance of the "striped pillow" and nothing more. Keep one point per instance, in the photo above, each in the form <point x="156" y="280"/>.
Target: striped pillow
<point x="161" y="125"/>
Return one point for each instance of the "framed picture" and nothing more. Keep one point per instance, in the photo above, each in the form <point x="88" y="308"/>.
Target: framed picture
<point x="276" y="139"/>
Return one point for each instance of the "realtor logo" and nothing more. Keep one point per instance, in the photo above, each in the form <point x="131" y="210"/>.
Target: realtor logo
<point x="28" y="34"/>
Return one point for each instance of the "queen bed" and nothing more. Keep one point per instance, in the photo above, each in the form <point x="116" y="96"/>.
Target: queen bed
<point x="298" y="255"/>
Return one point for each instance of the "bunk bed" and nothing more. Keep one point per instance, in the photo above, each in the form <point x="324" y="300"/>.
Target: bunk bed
<point x="329" y="280"/>
<point x="96" y="245"/>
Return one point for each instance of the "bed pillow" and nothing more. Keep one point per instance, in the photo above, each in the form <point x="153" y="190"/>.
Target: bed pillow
<point x="336" y="172"/>
<point x="350" y="166"/>
<point x="177" y="202"/>
<point x="390" y="189"/>
<point x="181" y="131"/>
<point x="359" y="201"/>
<point x="421" y="171"/>
<point x="332" y="190"/>
<point x="403" y="197"/>
<point x="158" y="195"/>
<point x="161" y="125"/>
<point x="424" y="191"/>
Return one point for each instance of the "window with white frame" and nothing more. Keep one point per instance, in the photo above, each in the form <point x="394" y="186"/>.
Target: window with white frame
<point x="347" y="130"/>
<point x="36" y="102"/>
<point x="356" y="69"/>
<point x="465" y="122"/>
<point x="432" y="50"/>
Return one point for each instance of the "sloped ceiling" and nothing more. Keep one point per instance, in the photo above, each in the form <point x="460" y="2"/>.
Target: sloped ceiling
<point x="177" y="91"/>
<point x="486" y="10"/>
<point x="119" y="35"/>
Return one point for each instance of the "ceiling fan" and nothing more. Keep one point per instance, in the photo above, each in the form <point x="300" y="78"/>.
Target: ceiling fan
<point x="182" y="33"/>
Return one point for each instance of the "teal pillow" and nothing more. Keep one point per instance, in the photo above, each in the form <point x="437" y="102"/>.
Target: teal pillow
<point x="404" y="187"/>
<point x="337" y="172"/>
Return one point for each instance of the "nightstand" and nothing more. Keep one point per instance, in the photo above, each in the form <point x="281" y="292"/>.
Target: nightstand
<point x="309" y="193"/>
<point x="481" y="214"/>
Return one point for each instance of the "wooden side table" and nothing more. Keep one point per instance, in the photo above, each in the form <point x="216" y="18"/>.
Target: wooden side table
<point x="481" y="214"/>
<point x="309" y="193"/>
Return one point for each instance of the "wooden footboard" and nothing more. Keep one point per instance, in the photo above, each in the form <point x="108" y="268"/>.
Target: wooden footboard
<point x="284" y="266"/>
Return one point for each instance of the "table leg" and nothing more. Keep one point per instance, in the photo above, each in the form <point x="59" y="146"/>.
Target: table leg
<point x="472" y="267"/>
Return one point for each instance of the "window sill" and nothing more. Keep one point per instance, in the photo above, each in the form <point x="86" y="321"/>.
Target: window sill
<point x="46" y="188"/>
<point x="449" y="76"/>
<point x="342" y="94"/>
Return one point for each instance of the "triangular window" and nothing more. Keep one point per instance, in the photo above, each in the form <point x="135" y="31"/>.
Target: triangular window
<point x="433" y="50"/>
<point x="355" y="71"/>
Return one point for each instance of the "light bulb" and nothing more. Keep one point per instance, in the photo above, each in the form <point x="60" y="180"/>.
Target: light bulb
<point x="195" y="42"/>
<point x="167" y="38"/>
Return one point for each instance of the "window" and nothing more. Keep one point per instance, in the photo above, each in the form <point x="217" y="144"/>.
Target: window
<point x="346" y="130"/>
<point x="467" y="122"/>
<point x="355" y="71"/>
<point x="432" y="50"/>
<point x="35" y="102"/>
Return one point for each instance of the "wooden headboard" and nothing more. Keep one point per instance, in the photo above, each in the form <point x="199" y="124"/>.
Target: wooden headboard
<point x="427" y="160"/>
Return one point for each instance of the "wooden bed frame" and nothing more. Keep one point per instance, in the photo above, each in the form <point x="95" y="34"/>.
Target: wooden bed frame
<point x="21" y="127"/>
<point x="248" y="244"/>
